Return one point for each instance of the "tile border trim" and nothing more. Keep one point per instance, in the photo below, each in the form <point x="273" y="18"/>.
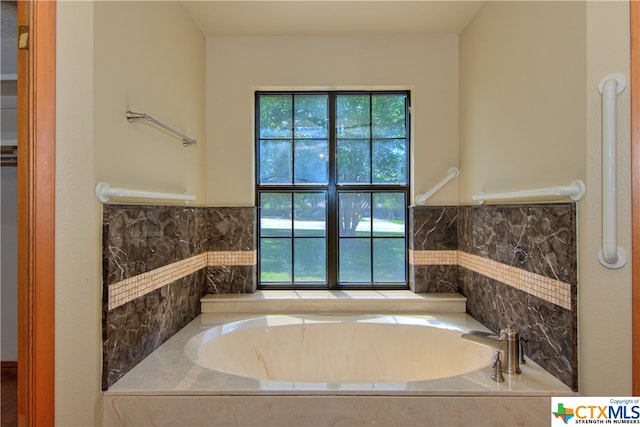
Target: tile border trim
<point x="127" y="290"/>
<point x="548" y="289"/>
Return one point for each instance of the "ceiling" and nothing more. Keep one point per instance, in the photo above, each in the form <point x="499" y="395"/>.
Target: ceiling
<point x="330" y="17"/>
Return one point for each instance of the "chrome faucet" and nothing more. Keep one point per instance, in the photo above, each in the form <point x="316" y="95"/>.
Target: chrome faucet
<point x="508" y="343"/>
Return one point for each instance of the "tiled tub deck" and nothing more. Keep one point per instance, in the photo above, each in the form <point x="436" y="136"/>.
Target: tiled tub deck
<point x="168" y="389"/>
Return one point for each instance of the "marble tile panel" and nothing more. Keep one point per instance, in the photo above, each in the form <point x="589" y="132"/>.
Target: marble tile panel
<point x="433" y="227"/>
<point x="550" y="330"/>
<point x="231" y="229"/>
<point x="432" y="230"/>
<point x="231" y="279"/>
<point x="433" y="278"/>
<point x="537" y="238"/>
<point x="141" y="242"/>
<point x="134" y="330"/>
<point x="138" y="239"/>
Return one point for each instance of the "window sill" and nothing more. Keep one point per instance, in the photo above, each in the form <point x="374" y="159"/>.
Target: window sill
<point x="279" y="301"/>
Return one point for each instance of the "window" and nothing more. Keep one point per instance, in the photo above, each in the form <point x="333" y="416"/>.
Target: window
<point x="332" y="189"/>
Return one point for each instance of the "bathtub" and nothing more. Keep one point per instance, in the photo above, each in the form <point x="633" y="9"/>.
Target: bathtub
<point x="338" y="349"/>
<point x="341" y="369"/>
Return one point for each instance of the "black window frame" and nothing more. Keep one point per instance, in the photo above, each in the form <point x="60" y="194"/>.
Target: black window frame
<point x="332" y="190"/>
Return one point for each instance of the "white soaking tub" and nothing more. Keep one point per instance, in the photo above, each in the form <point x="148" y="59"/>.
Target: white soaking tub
<point x="338" y="349"/>
<point x="246" y="365"/>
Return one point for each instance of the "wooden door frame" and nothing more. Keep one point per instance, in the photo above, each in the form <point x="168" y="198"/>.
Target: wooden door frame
<point x="36" y="214"/>
<point x="634" y="9"/>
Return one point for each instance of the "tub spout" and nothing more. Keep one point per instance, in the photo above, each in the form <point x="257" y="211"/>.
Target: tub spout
<point x="486" y="338"/>
<point x="508" y="343"/>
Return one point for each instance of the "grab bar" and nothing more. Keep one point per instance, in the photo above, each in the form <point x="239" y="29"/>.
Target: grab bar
<point x="451" y="173"/>
<point x="575" y="191"/>
<point x="611" y="256"/>
<point x="131" y="116"/>
<point x="104" y="193"/>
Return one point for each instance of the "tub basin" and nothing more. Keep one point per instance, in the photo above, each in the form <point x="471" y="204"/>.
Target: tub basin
<point x="348" y="349"/>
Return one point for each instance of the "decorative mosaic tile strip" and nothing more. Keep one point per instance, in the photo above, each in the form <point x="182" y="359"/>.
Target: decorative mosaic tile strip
<point x="218" y="258"/>
<point x="446" y="257"/>
<point x="550" y="290"/>
<point x="137" y="286"/>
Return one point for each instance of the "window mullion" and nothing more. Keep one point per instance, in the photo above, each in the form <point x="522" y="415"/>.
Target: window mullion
<point x="293" y="236"/>
<point x="332" y="208"/>
<point x="294" y="190"/>
<point x="371" y="254"/>
<point x="293" y="140"/>
<point x="371" y="140"/>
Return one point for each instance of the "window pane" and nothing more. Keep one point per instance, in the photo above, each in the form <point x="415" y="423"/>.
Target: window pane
<point x="389" y="257"/>
<point x="388" y="214"/>
<point x="275" y="162"/>
<point x="311" y="162"/>
<point x="353" y="162"/>
<point x="275" y="214"/>
<point x="310" y="214"/>
<point x="389" y="161"/>
<point x="275" y="116"/>
<point x="355" y="261"/>
<point x="310" y="260"/>
<point x="353" y="118"/>
<point x="275" y="260"/>
<point x="354" y="217"/>
<point x="311" y="116"/>
<point x="388" y="116"/>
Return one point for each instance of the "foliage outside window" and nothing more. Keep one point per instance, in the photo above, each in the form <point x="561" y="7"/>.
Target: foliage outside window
<point x="332" y="188"/>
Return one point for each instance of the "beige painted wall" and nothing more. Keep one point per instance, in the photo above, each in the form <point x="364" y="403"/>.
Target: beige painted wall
<point x="149" y="58"/>
<point x="110" y="57"/>
<point x="78" y="252"/>
<point x="529" y="118"/>
<point x="522" y="97"/>
<point x="604" y="295"/>
<point x="236" y="67"/>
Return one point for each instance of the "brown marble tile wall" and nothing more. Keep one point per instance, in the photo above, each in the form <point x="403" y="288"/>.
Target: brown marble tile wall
<point x="231" y="229"/>
<point x="534" y="238"/>
<point x="236" y="279"/>
<point x="539" y="239"/>
<point x="433" y="228"/>
<point x="143" y="239"/>
<point x="138" y="239"/>
<point x="134" y="330"/>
